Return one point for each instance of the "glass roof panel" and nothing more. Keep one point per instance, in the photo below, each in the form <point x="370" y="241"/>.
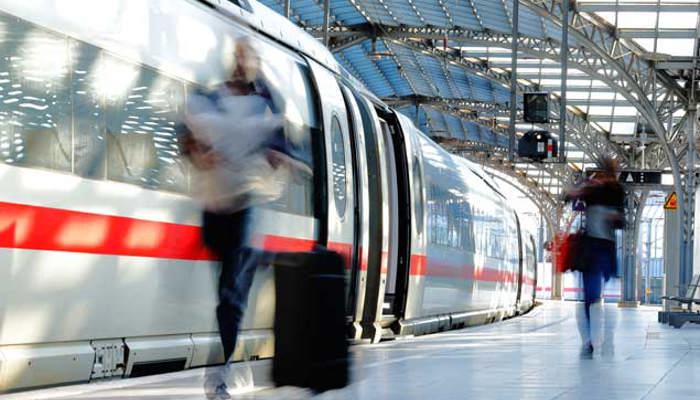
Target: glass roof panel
<point x="623" y="128"/>
<point x="677" y="20"/>
<point x="548" y="82"/>
<point x="597" y="83"/>
<point x="635" y="20"/>
<point x="675" y="47"/>
<point x="602" y="95"/>
<point x="576" y="95"/>
<point x="625" y="110"/>
<point x="529" y="69"/>
<point x="647" y="44"/>
<point x="641" y="18"/>
<point x="599" y="110"/>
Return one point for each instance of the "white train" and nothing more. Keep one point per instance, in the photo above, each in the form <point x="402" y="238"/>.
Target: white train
<point x="102" y="273"/>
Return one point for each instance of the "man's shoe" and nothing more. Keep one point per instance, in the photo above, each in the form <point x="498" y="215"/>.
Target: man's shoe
<point x="215" y="388"/>
<point x="587" y="350"/>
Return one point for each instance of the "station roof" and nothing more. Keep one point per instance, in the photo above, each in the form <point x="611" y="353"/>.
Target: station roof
<point x="447" y="65"/>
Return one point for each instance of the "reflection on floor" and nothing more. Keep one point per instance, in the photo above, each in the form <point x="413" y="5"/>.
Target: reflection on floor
<point x="535" y="356"/>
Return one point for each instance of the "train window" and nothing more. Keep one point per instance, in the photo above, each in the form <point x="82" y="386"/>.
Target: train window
<point x="293" y="94"/>
<point x="418" y="193"/>
<point x="35" y="119"/>
<point x="339" y="169"/>
<point x="141" y="110"/>
<point x="89" y="141"/>
<point x="71" y="107"/>
<point x="450" y="218"/>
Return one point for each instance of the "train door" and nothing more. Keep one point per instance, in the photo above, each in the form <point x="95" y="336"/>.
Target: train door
<point x="398" y="217"/>
<point x="357" y="275"/>
<point x="339" y="180"/>
<point x="390" y="215"/>
<point x="373" y="258"/>
<point x="533" y="266"/>
<point x="521" y="262"/>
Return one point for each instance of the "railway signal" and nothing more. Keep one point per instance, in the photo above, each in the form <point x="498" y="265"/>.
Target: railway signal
<point x="537" y="145"/>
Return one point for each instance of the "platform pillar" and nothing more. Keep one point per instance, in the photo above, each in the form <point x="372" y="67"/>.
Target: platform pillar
<point x="512" y="131"/>
<point x="671" y="256"/>
<point x="687" y="207"/>
<point x="557" y="278"/>
<point x="633" y="215"/>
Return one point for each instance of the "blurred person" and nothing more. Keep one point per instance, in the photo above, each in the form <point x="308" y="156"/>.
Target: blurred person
<point x="604" y="198"/>
<point x="234" y="137"/>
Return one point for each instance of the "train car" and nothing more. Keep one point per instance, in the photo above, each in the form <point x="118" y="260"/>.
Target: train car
<point x="544" y="281"/>
<point x="103" y="274"/>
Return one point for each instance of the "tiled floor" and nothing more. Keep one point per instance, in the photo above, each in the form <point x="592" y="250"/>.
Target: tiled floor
<point x="535" y="356"/>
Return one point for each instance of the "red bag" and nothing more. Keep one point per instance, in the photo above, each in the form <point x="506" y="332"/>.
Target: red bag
<point x="567" y="246"/>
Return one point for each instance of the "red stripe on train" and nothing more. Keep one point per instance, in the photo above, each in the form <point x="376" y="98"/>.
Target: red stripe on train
<point x="45" y="228"/>
<point x="282" y="243"/>
<point x="423" y="266"/>
<point x="53" y="229"/>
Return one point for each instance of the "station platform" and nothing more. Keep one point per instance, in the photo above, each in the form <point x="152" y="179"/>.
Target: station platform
<point x="535" y="356"/>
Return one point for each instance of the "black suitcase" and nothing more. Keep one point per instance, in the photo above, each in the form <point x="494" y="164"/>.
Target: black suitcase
<point x="311" y="347"/>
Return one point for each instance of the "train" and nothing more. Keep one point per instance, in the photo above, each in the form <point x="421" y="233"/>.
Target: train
<point x="102" y="270"/>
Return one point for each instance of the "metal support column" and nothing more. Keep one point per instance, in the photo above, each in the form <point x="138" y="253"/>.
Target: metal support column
<point x="557" y="278"/>
<point x="564" y="60"/>
<point x="633" y="216"/>
<point x="513" y="80"/>
<point x="540" y="240"/>
<point x="672" y="221"/>
<point x="287" y="8"/>
<point x="326" y="20"/>
<point x="688" y="206"/>
<point x="647" y="264"/>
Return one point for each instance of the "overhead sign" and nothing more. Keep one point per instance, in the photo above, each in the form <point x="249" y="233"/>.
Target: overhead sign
<point x="633" y="176"/>
<point x="536" y="108"/>
<point x="671" y="202"/>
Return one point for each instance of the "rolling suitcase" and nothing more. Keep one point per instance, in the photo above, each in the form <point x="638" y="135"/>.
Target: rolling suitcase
<point x="311" y="348"/>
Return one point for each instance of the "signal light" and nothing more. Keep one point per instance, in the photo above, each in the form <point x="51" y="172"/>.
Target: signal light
<point x="537" y="145"/>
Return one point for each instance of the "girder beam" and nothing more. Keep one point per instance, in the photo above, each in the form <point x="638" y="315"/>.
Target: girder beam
<point x="581" y="132"/>
<point x="651" y="33"/>
<point x="604" y="55"/>
<point x="637" y="6"/>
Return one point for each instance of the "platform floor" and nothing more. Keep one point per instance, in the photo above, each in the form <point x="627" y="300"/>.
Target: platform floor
<point x="535" y="356"/>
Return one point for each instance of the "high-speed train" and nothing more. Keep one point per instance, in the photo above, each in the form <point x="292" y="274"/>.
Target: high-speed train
<point x="102" y="272"/>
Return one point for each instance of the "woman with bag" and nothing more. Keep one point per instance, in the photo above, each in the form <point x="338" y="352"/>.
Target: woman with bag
<point x="597" y="261"/>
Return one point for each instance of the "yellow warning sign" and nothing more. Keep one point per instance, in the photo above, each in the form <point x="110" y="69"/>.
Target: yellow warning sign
<point x="671" y="201"/>
<point x="648" y="290"/>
